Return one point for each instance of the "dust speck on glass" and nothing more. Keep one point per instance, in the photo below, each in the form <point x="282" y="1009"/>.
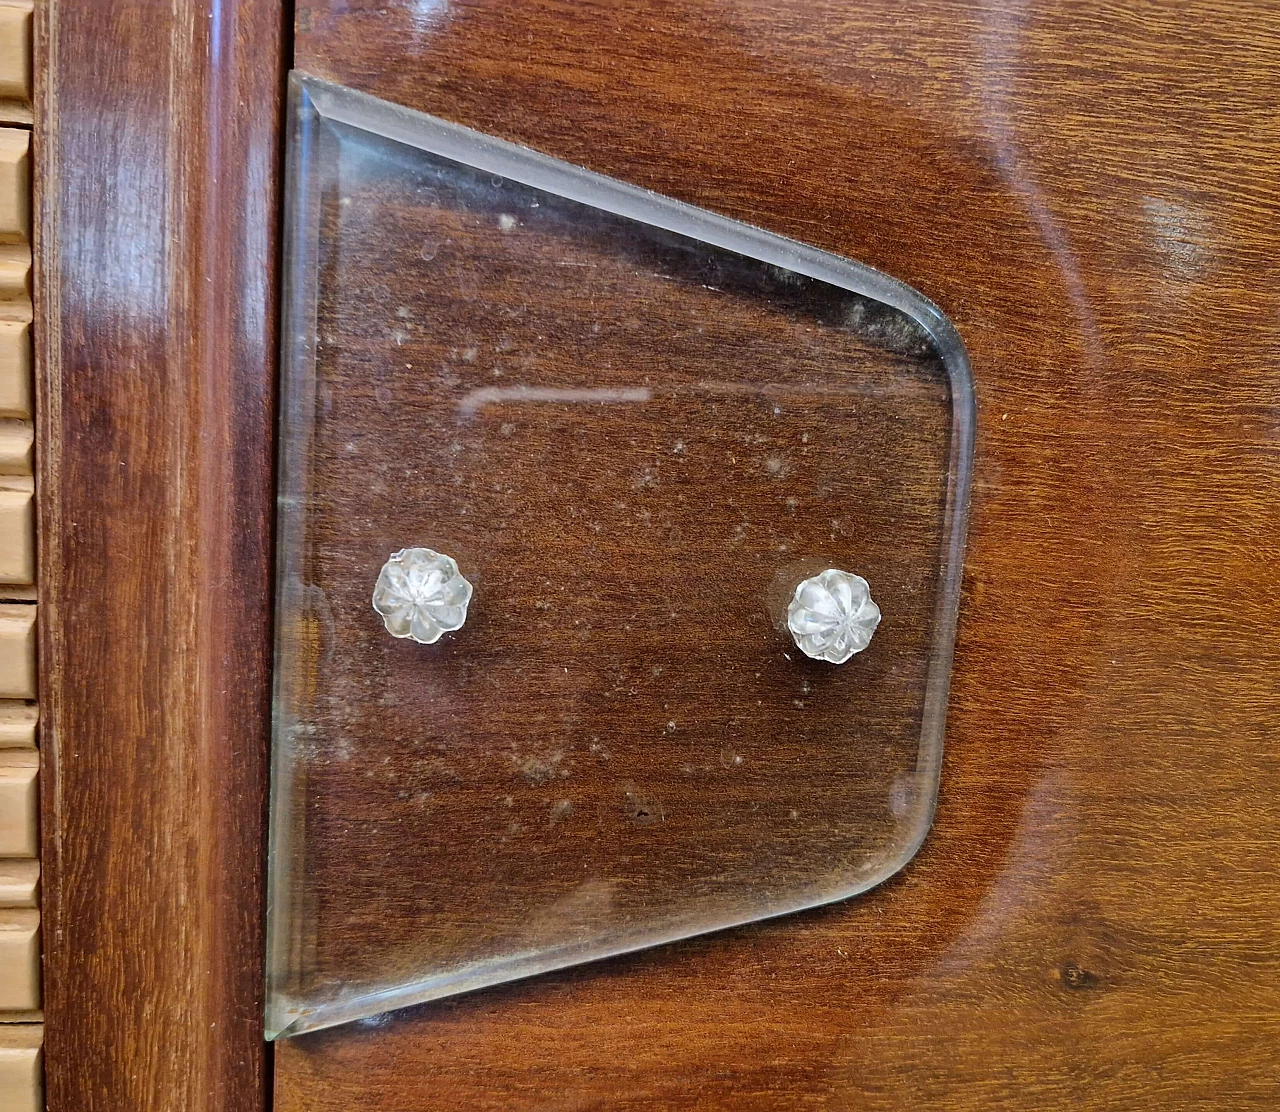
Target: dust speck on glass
<point x="650" y="438"/>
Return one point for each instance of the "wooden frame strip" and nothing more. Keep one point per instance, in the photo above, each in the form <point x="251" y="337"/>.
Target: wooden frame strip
<point x="156" y="155"/>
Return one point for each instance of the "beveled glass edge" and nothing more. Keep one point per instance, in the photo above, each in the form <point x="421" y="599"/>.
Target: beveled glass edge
<point x="312" y="99"/>
<point x="301" y="212"/>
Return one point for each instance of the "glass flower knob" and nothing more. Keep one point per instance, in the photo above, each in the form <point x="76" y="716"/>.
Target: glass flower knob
<point x="420" y="594"/>
<point x="831" y="616"/>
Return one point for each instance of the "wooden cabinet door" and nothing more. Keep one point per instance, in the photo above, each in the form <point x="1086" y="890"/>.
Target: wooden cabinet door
<point x="1086" y="191"/>
<point x="1089" y="192"/>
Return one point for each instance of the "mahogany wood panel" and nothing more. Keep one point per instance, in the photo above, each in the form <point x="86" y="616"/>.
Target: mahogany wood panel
<point x="157" y="141"/>
<point x="1089" y="191"/>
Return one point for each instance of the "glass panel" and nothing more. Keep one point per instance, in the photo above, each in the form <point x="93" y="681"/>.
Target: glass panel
<point x="637" y="428"/>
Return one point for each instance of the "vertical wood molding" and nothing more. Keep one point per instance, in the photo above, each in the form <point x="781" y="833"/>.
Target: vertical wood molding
<point x="156" y="155"/>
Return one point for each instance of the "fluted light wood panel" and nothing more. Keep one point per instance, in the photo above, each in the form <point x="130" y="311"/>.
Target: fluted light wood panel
<point x="19" y="960"/>
<point x="17" y="651"/>
<point x="21" y="1088"/>
<point x="18" y="831"/>
<point x="15" y="185"/>
<point x="15" y="273"/>
<point x="18" y="725"/>
<point x="20" y="1054"/>
<point x="17" y="535"/>
<point x="17" y="495"/>
<point x="15" y="369"/>
<point x="15" y="56"/>
<point x="19" y="883"/>
<point x="16" y="439"/>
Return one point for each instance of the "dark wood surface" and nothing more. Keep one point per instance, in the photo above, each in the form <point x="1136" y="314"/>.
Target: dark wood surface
<point x="156" y="155"/>
<point x="1089" y="191"/>
<point x="623" y="743"/>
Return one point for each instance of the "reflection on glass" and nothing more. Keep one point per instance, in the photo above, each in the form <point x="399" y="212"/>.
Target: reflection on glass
<point x="637" y="428"/>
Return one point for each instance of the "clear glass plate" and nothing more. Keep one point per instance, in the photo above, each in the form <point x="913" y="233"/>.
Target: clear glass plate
<point x="637" y="427"/>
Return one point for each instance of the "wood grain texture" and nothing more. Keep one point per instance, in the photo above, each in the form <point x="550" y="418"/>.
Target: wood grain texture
<point x="1089" y="191"/>
<point x="155" y="169"/>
